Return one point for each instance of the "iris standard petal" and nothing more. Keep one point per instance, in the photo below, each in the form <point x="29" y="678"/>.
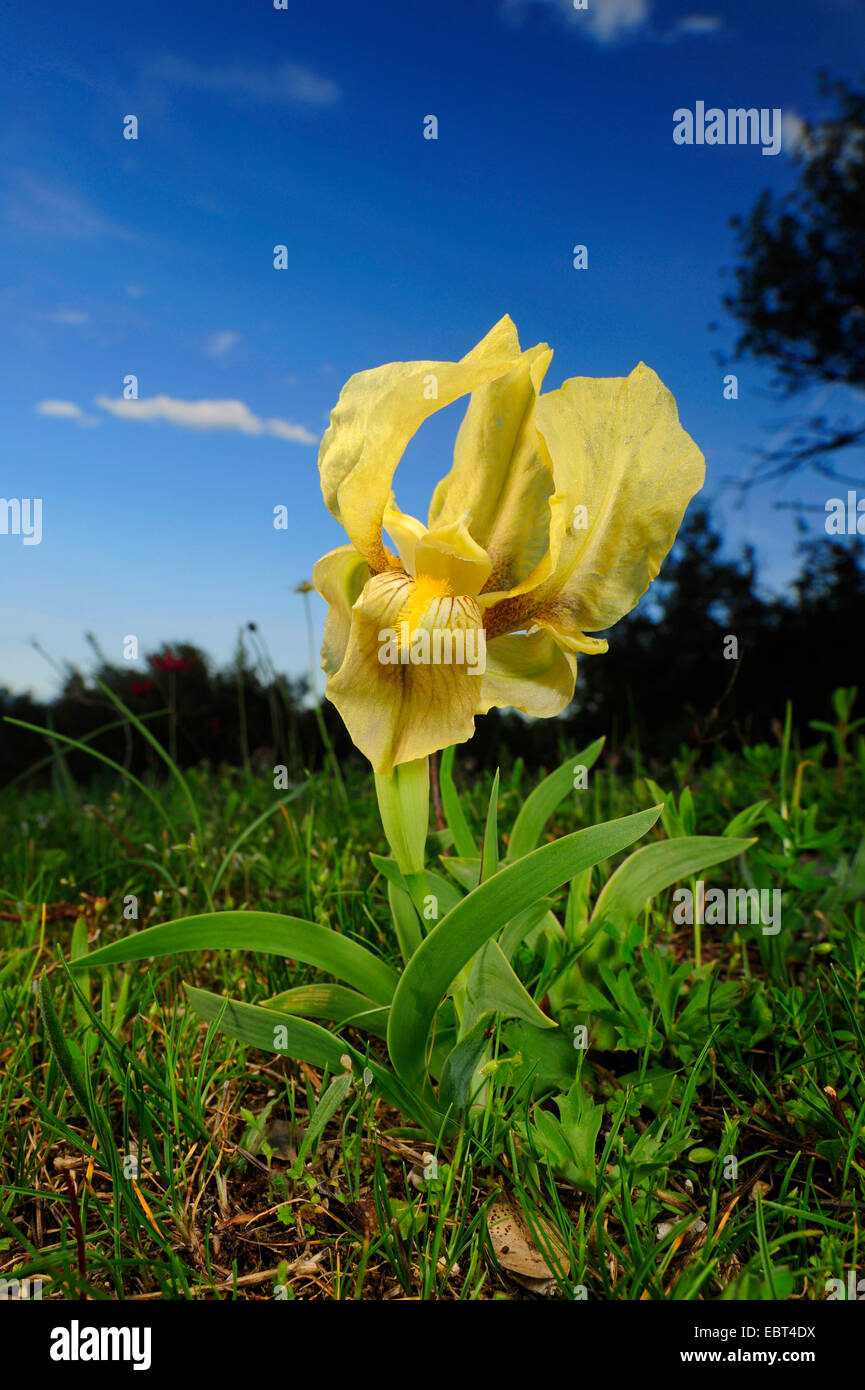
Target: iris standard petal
<point x="377" y="413"/>
<point x="625" y="471"/>
<point x="501" y="475"/>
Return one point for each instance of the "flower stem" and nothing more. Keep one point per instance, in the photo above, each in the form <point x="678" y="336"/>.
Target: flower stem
<point x="403" y="803"/>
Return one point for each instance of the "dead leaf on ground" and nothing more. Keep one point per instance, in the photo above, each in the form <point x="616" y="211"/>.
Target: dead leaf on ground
<point x="515" y="1246"/>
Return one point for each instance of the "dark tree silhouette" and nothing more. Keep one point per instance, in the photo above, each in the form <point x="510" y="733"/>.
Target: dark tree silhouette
<point x="666" y="682"/>
<point x="800" y="286"/>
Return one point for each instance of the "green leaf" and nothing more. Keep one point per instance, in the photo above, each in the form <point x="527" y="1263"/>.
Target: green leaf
<point x="479" y="916"/>
<point x="466" y="872"/>
<point x="654" y="867"/>
<point x="257" y="1026"/>
<point x="405" y="921"/>
<point x="324" y="1112"/>
<point x="456" y="821"/>
<point x="493" y="987"/>
<point x="334" y="1003"/>
<point x="490" y="849"/>
<point x="437" y="885"/>
<point x="57" y="1042"/>
<point x="542" y="802"/>
<point x="550" y="1058"/>
<point x="78" y="948"/>
<point x="444" y="891"/>
<point x="581" y="1122"/>
<point x="461" y="1063"/>
<point x="670" y="818"/>
<point x="305" y="1042"/>
<point x="269" y="932"/>
<point x="747" y="819"/>
<point x="522" y="925"/>
<point x="568" y="1144"/>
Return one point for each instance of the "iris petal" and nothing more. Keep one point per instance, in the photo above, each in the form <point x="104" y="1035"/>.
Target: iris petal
<point x="501" y="475"/>
<point x="529" y="671"/>
<point x="394" y="710"/>
<point x="377" y="413"/>
<point x="625" y="471"/>
<point x="553" y="521"/>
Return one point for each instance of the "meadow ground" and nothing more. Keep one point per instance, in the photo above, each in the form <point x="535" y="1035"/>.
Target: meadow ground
<point x="722" y="1089"/>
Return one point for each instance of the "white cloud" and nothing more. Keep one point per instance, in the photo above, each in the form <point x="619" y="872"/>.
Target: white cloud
<point x="72" y="318"/>
<point x="608" y="21"/>
<point x="616" y="21"/>
<point x="50" y="209"/>
<point x="695" y="26"/>
<point x="204" y="415"/>
<point x="218" y="344"/>
<point x="794" y="133"/>
<point x="66" y="410"/>
<point x="284" y="429"/>
<point x="286" y="84"/>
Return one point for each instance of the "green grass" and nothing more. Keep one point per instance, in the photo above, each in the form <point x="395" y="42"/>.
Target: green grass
<point x="257" y="1178"/>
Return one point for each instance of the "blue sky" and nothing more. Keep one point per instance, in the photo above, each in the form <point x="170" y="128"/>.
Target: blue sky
<point x="304" y="126"/>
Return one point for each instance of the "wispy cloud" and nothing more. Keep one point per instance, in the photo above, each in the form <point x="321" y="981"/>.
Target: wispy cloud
<point x="694" y="26"/>
<point x="286" y="83"/>
<point x="794" y="133"/>
<point x="66" y="410"/>
<point x="67" y="318"/>
<point x="204" y="415"/>
<point x="220" y="344"/>
<point x="608" y="22"/>
<point x="53" y="209"/>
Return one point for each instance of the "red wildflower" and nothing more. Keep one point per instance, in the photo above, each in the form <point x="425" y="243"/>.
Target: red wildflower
<point x="169" y="662"/>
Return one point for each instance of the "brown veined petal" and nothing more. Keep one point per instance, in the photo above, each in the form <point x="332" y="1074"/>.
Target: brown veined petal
<point x="625" y="471"/>
<point x="377" y="413"/>
<point x="501" y="475"/>
<point x="339" y="577"/>
<point x="394" y="711"/>
<point x="529" y="671"/>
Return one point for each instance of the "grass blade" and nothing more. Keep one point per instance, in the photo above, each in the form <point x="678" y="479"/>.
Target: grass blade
<point x="542" y="802"/>
<point x="457" y="824"/>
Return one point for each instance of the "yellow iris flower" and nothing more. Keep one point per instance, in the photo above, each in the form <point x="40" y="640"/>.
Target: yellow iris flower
<point x="551" y="524"/>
